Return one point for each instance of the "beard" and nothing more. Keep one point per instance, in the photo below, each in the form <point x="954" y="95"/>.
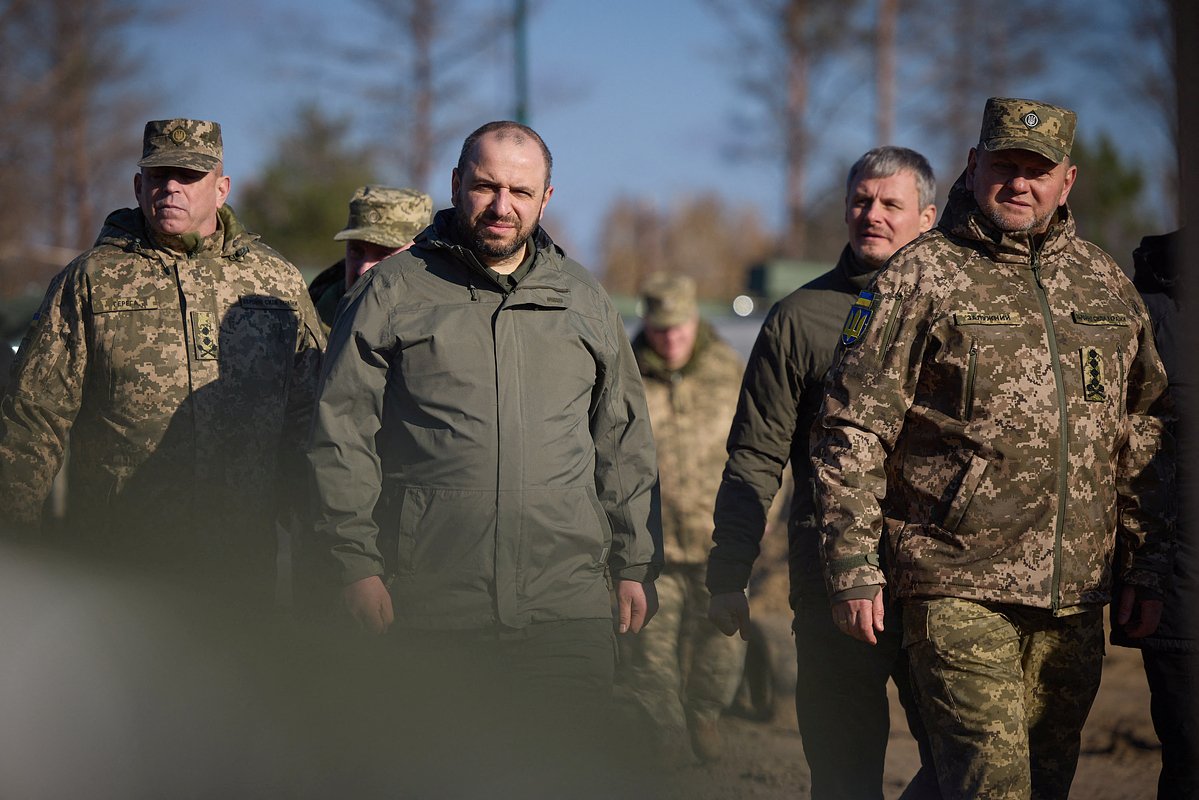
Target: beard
<point x="470" y="233"/>
<point x="1007" y="224"/>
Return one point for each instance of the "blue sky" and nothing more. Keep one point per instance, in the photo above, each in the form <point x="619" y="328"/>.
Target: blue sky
<point x="634" y="97"/>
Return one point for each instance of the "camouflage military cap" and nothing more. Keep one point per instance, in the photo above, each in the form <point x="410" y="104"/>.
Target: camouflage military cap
<point x="669" y="300"/>
<point x="1013" y="124"/>
<point x="385" y="216"/>
<point x="188" y="143"/>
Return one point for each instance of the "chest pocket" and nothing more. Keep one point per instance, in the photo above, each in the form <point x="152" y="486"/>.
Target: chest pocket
<point x="1103" y="343"/>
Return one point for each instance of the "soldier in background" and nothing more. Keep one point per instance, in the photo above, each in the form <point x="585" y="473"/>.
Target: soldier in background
<point x="1171" y="653"/>
<point x="681" y="670"/>
<point x="994" y="422"/>
<point x="181" y="356"/>
<point x="841" y="686"/>
<point x="383" y="221"/>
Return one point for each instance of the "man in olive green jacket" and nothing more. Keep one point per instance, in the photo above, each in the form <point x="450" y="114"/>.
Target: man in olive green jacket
<point x="482" y="450"/>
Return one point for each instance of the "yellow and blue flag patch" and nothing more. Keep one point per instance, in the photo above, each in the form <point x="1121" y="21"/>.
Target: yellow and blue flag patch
<point x="859" y="317"/>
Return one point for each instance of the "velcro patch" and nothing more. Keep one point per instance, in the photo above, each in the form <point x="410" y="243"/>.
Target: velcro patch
<point x="1090" y="318"/>
<point x="1093" y="390"/>
<point x="986" y="318"/>
<point x="859" y="317"/>
<point x="205" y="332"/>
<point x="104" y="305"/>
<point x="266" y="302"/>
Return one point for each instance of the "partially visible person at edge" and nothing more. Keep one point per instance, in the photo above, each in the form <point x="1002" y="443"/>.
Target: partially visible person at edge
<point x="383" y="221"/>
<point x="994" y="422"/>
<point x="681" y="672"/>
<point x="1171" y="653"/>
<point x="482" y="450"/>
<point x="179" y="358"/>
<point x="841" y="686"/>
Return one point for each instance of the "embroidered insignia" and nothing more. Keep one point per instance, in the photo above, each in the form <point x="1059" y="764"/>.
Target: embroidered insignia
<point x="986" y="318"/>
<point x="1031" y="119"/>
<point x="179" y="136"/>
<point x="107" y="304"/>
<point x="1092" y="375"/>
<point x="859" y="317"/>
<point x="1089" y="318"/>
<point x="204" y="332"/>
<point x="268" y="302"/>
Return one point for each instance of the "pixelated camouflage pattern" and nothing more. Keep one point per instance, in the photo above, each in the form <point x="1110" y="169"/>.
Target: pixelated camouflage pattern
<point x="1013" y="124"/>
<point x="969" y="453"/>
<point x="385" y="216"/>
<point x="690" y="411"/>
<point x="680" y="667"/>
<point x="188" y="143"/>
<point x="1004" y="692"/>
<point x="669" y="300"/>
<point x="185" y="381"/>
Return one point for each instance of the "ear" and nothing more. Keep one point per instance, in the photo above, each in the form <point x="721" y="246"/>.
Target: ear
<point x="971" y="164"/>
<point x="223" y="185"/>
<point x="1071" y="174"/>
<point x="927" y="217"/>
<point x="455" y="185"/>
<point x="545" y="200"/>
<point x="137" y="186"/>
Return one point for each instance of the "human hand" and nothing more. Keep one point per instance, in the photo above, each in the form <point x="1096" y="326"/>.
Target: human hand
<point x="860" y="618"/>
<point x="1145" y="620"/>
<point x="729" y="611"/>
<point x="369" y="603"/>
<point x="637" y="605"/>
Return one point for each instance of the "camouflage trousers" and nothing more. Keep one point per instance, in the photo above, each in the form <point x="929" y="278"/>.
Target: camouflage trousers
<point x="1004" y="691"/>
<point x="680" y="666"/>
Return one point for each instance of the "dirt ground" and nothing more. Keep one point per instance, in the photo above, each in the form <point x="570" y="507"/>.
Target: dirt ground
<point x="1119" y="761"/>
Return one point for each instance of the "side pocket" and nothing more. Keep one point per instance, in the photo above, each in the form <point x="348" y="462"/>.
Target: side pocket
<point x="965" y="493"/>
<point x="971" y="368"/>
<point x="407" y="509"/>
<point x="605" y="527"/>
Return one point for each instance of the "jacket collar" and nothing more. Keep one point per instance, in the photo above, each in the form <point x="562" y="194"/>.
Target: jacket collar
<point x="126" y="228"/>
<point x="854" y="271"/>
<point x="964" y="220"/>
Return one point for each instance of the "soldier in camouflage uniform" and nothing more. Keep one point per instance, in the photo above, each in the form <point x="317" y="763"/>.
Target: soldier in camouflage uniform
<point x="841" y="698"/>
<point x="383" y="221"/>
<point x="681" y="670"/>
<point x="994" y="421"/>
<point x="181" y="356"/>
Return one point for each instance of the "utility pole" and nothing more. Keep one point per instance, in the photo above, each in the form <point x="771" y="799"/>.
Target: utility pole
<point x="521" y="60"/>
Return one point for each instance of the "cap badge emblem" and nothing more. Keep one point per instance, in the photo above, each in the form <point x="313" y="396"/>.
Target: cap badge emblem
<point x="1031" y="119"/>
<point x="179" y="136"/>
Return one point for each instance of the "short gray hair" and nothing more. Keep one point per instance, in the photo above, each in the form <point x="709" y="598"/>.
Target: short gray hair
<point x="883" y="162"/>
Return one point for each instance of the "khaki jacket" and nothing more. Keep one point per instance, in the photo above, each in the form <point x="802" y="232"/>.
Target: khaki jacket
<point x="184" y="383"/>
<point x="998" y="422"/>
<point x="690" y="410"/>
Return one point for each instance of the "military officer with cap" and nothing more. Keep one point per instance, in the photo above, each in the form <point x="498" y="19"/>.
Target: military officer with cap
<point x="994" y="421"/>
<point x="177" y="362"/>
<point x="383" y="221"/>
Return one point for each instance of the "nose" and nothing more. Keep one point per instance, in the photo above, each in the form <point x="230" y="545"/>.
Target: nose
<point x="1018" y="184"/>
<point x="501" y="203"/>
<point x="874" y="211"/>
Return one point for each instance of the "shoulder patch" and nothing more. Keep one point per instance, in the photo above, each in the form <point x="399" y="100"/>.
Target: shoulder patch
<point x="859" y="317"/>
<point x="1089" y="318"/>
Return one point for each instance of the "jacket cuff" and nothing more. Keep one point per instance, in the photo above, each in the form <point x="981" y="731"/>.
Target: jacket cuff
<point x="727" y="576"/>
<point x="642" y="573"/>
<point x="355" y="568"/>
<point x="1151" y="581"/>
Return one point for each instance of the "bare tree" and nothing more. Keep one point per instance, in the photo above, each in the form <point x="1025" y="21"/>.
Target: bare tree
<point x="65" y="120"/>
<point x="780" y="47"/>
<point x="885" y="30"/>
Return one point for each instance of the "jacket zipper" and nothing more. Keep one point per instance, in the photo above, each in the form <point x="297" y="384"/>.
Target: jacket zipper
<point x="889" y="329"/>
<point x="970" y="369"/>
<point x="1063" y="433"/>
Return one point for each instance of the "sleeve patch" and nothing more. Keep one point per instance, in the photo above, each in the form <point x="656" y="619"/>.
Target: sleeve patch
<point x="859" y="317"/>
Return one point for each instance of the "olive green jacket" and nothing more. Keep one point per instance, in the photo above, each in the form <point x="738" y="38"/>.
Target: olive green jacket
<point x="183" y="377"/>
<point x="780" y="396"/>
<point x="995" y="419"/>
<point x="488" y="453"/>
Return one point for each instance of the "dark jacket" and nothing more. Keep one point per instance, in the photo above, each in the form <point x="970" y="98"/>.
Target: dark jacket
<point x="1155" y="262"/>
<point x="780" y="395"/>
<point x="487" y="452"/>
<point x="326" y="291"/>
